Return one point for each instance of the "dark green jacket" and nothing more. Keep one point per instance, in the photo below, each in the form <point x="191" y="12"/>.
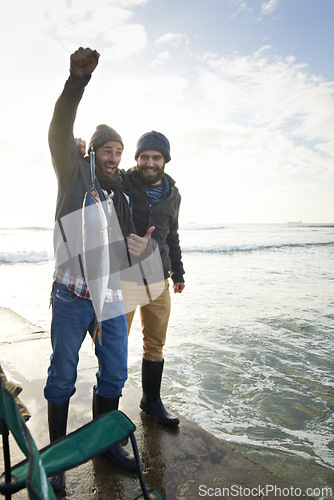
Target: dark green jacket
<point x="74" y="180"/>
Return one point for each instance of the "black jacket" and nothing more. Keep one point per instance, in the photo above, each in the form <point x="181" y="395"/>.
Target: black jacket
<point x="163" y="215"/>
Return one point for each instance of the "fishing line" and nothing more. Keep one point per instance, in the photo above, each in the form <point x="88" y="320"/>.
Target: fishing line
<point x="92" y="166"/>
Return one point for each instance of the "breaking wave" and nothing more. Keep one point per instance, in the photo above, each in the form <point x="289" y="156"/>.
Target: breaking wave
<point x="25" y="257"/>
<point x="251" y="248"/>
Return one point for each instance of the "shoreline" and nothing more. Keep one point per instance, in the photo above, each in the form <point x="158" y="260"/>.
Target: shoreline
<point x="183" y="464"/>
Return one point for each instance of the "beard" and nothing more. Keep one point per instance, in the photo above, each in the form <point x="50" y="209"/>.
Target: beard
<point x="107" y="181"/>
<point x="149" y="180"/>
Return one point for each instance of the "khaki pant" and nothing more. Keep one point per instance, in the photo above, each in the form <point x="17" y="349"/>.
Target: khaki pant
<point x="154" y="315"/>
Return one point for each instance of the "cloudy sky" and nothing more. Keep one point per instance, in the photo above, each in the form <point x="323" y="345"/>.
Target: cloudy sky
<point x="243" y="89"/>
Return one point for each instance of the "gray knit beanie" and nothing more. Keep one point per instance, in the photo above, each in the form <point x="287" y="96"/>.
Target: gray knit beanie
<point x="102" y="134"/>
<point x="155" y="141"/>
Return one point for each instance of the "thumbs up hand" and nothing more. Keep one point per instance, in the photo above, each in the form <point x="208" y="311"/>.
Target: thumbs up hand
<point x="138" y="244"/>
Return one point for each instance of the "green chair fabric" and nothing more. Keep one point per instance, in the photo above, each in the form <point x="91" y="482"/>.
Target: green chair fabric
<point x="36" y="480"/>
<point x="15" y="389"/>
<point x="68" y="452"/>
<point x="79" y="446"/>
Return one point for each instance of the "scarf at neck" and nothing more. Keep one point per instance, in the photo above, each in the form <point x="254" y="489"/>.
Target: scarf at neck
<point x="121" y="204"/>
<point x="107" y="181"/>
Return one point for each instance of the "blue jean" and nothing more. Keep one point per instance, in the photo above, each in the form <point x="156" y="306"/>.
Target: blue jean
<point x="72" y="317"/>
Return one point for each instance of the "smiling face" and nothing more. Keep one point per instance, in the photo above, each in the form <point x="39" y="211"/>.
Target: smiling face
<point x="151" y="167"/>
<point x="109" y="156"/>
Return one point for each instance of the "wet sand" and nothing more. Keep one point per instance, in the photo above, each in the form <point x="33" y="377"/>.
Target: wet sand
<point x="185" y="463"/>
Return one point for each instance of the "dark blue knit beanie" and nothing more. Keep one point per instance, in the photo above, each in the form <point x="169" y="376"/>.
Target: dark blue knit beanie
<point x="155" y="141"/>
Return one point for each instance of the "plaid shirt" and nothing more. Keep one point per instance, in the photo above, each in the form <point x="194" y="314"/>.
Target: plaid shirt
<point x="78" y="285"/>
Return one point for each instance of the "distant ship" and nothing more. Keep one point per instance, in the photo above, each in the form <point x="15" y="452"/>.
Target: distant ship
<point x="294" y="223"/>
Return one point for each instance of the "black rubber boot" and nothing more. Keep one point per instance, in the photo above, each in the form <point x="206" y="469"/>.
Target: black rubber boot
<point x="57" y="418"/>
<point x="151" y="402"/>
<point x="116" y="454"/>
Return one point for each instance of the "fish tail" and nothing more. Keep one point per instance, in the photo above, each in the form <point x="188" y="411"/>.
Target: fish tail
<point x="98" y="332"/>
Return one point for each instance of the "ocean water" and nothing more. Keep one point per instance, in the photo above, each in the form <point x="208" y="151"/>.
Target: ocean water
<point x="249" y="353"/>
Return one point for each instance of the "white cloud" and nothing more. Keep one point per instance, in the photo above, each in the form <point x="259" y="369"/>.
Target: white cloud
<point x="242" y="6"/>
<point x="126" y="40"/>
<point x="81" y="22"/>
<point x="269" y="6"/>
<point x="162" y="57"/>
<point x="128" y="3"/>
<point x="43" y="33"/>
<point x="249" y="7"/>
<point x="173" y="39"/>
<point x="266" y="90"/>
<point x="257" y="127"/>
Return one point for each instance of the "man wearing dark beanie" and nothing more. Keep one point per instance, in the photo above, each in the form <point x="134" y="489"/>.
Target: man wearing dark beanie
<point x="155" y="201"/>
<point x="73" y="313"/>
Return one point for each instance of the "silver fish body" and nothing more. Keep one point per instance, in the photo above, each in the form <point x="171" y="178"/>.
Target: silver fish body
<point x="95" y="254"/>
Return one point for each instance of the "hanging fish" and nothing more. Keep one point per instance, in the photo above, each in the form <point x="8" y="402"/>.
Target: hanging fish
<point x="95" y="249"/>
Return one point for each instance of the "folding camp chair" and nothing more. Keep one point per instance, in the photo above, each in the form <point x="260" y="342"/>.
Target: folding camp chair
<point x="74" y="449"/>
<point x="15" y="389"/>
